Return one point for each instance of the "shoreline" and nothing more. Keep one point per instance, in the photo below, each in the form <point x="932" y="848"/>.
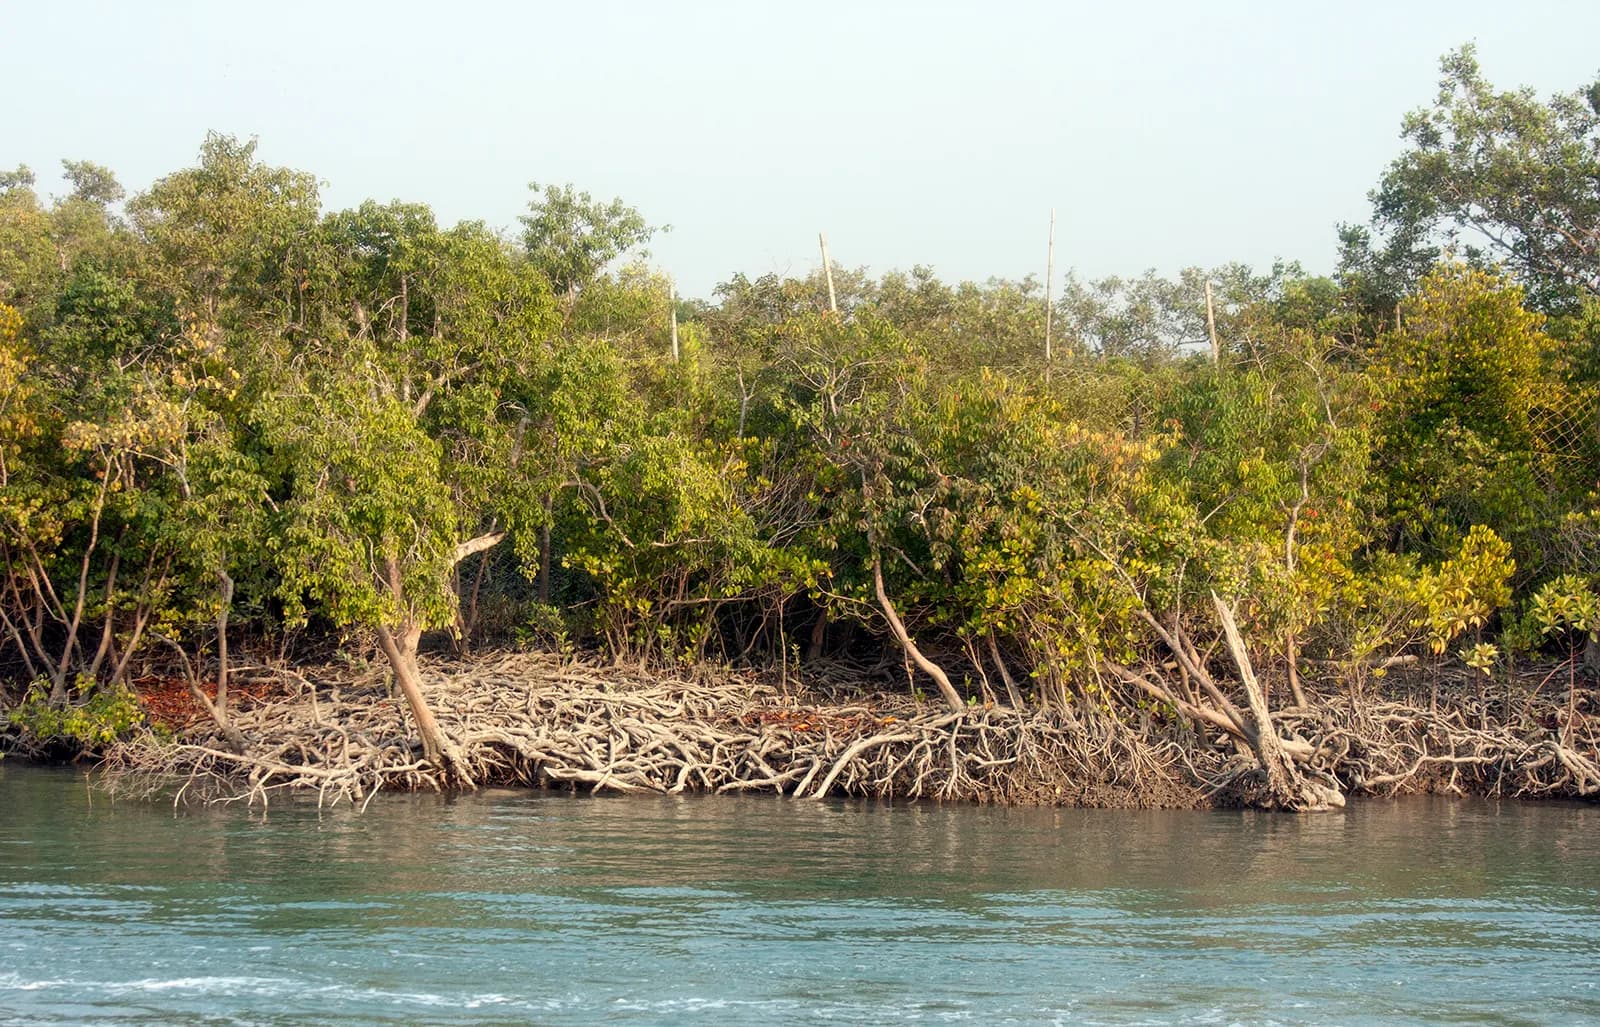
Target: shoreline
<point x="531" y="719"/>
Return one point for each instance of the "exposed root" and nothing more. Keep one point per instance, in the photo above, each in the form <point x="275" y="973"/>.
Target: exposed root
<point x="1469" y="746"/>
<point x="532" y="719"/>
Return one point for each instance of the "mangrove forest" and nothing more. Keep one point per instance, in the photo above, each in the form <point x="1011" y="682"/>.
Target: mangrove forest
<point x="347" y="500"/>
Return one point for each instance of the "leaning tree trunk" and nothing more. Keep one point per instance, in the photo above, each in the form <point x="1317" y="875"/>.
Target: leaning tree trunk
<point x="1284" y="784"/>
<point x="400" y="646"/>
<point x="952" y="698"/>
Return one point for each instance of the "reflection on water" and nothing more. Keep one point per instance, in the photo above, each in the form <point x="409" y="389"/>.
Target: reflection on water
<point x="520" y="907"/>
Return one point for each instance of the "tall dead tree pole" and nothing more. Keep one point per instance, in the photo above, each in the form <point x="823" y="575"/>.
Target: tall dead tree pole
<point x="1211" y="327"/>
<point x="1049" y="283"/>
<point x="672" y="304"/>
<point x="827" y="269"/>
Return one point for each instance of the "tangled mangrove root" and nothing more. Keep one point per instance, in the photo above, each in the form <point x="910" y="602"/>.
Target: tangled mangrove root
<point x="1470" y="746"/>
<point x="534" y="720"/>
<point x="530" y="719"/>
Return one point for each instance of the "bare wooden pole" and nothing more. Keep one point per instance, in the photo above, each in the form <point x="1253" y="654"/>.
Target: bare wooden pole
<point x="1211" y="327"/>
<point x="827" y="268"/>
<point x="1049" y="283"/>
<point x="672" y="303"/>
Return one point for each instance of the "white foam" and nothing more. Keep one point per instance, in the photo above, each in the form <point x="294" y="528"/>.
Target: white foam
<point x="14" y="982"/>
<point x="259" y="985"/>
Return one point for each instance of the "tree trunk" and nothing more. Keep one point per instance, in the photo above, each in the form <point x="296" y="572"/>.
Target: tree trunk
<point x="544" y="556"/>
<point x="219" y="709"/>
<point x="1292" y="651"/>
<point x="1012" y="691"/>
<point x="467" y="623"/>
<point x="225" y="595"/>
<point x="1285" y="785"/>
<point x="819" y="636"/>
<point x="219" y="716"/>
<point x="952" y="698"/>
<point x="231" y="735"/>
<point x="400" y="646"/>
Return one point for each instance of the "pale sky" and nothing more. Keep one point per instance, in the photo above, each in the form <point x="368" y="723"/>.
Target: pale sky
<point x="1165" y="134"/>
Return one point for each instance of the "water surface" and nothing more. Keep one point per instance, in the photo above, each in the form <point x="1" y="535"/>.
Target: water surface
<point x="534" y="908"/>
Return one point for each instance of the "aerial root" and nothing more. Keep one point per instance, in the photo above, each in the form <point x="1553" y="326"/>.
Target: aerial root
<point x="535" y="720"/>
<point x="1470" y="746"/>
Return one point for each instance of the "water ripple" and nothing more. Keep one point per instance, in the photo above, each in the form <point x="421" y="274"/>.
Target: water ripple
<point x="514" y="907"/>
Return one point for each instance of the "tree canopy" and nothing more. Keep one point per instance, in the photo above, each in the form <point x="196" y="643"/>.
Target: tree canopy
<point x="1495" y="176"/>
<point x="223" y="408"/>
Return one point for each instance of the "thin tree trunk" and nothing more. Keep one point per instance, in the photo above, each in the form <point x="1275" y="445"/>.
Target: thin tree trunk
<point x="39" y="609"/>
<point x="1012" y="692"/>
<point x="108" y="628"/>
<point x="225" y="597"/>
<point x="1211" y="328"/>
<point x="1292" y="651"/>
<point x="400" y="647"/>
<point x="58" y="683"/>
<point x="141" y="615"/>
<point x="544" y="551"/>
<point x="1049" y="284"/>
<point x="819" y="635"/>
<point x="827" y="269"/>
<point x="1572" y="696"/>
<point x="232" y="736"/>
<point x="20" y="643"/>
<point x="952" y="698"/>
<point x="469" y="623"/>
<point x="1286" y="786"/>
<point x="672" y="302"/>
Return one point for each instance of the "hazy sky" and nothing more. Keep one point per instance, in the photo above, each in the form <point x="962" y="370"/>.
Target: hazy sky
<point x="1165" y="134"/>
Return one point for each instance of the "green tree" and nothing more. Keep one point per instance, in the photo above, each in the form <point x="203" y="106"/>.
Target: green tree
<point x="1462" y="386"/>
<point x="369" y="531"/>
<point x="1493" y="175"/>
<point x="571" y="237"/>
<point x="92" y="183"/>
<point x="232" y="238"/>
<point x="29" y="265"/>
<point x="20" y="177"/>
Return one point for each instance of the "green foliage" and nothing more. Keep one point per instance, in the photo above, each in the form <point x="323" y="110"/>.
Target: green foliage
<point x="1481" y="657"/>
<point x="20" y="177"/>
<point x="367" y="529"/>
<point x="332" y="411"/>
<point x="664" y="537"/>
<point x="1566" y="605"/>
<point x="1462" y="385"/>
<point x="92" y="183"/>
<point x="1494" y="175"/>
<point x="1465" y="591"/>
<point x="29" y="269"/>
<point x="97" y="715"/>
<point x="571" y="237"/>
<point x="232" y="237"/>
<point x="1399" y="602"/>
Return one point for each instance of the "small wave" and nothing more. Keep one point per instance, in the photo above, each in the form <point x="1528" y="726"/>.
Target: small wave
<point x="205" y="985"/>
<point x="15" y="982"/>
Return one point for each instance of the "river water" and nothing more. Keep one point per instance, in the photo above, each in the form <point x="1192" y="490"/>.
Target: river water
<point x="510" y="907"/>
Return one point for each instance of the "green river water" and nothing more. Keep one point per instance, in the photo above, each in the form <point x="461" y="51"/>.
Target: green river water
<point x="509" y="907"/>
